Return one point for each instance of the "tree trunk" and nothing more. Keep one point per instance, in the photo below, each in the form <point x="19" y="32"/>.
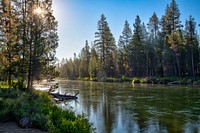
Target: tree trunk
<point x="192" y="61"/>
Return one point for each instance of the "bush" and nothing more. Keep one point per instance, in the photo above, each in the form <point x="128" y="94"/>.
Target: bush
<point x="111" y="80"/>
<point x="93" y="79"/>
<point x="86" y="79"/>
<point x="4" y="85"/>
<point x="125" y="79"/>
<point x="136" y="80"/>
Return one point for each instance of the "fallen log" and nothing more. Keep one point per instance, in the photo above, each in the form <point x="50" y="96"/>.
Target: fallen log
<point x="64" y="97"/>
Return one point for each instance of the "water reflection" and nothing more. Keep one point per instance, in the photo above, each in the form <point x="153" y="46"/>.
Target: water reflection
<point x="123" y="107"/>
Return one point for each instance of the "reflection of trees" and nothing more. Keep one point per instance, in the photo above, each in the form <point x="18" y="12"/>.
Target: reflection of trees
<point x="109" y="114"/>
<point x="97" y="99"/>
<point x="115" y="107"/>
<point x="163" y="109"/>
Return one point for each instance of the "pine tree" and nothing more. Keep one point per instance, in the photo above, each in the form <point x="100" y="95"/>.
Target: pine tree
<point x="94" y="64"/>
<point x="175" y="36"/>
<point x="153" y="28"/>
<point x="171" y="27"/>
<point x="174" y="16"/>
<point x="153" y="25"/>
<point x="166" y="53"/>
<point x="176" y="41"/>
<point x="9" y="38"/>
<point x="85" y="59"/>
<point x="137" y="50"/>
<point x="145" y="41"/>
<point x="104" y="45"/>
<point x="191" y="43"/>
<point x="123" y="44"/>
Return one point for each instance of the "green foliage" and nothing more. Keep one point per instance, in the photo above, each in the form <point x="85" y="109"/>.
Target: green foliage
<point x="176" y="80"/>
<point x="86" y="79"/>
<point x="136" y="80"/>
<point x="93" y="79"/>
<point x="126" y="79"/>
<point x="4" y="85"/>
<point x="144" y="80"/>
<point x="105" y="46"/>
<point x="36" y="108"/>
<point x="123" y="44"/>
<point x="19" y="84"/>
<point x="111" y="80"/>
<point x="66" y="121"/>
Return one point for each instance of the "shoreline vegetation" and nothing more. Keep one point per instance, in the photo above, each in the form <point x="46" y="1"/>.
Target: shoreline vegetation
<point x="148" y="80"/>
<point x="35" y="109"/>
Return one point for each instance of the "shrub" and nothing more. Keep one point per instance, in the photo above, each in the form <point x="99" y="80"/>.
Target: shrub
<point x="86" y="79"/>
<point x="111" y="80"/>
<point x="136" y="80"/>
<point x="125" y="79"/>
<point x="93" y="79"/>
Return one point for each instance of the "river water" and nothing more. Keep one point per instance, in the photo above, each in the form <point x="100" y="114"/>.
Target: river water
<point x="134" y="108"/>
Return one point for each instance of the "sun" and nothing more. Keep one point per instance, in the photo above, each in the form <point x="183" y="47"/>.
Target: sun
<point x="38" y="11"/>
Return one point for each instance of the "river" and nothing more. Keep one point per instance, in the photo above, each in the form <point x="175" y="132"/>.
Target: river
<point x="127" y="108"/>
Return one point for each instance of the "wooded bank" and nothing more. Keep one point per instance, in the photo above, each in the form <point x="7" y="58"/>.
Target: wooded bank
<point x="161" y="47"/>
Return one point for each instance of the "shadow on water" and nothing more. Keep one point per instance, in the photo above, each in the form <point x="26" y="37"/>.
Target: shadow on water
<point x="123" y="107"/>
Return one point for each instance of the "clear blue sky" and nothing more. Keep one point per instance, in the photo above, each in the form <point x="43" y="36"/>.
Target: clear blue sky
<point x="77" y="19"/>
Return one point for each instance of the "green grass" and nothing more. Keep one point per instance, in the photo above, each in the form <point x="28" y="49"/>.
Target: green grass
<point x="36" y="109"/>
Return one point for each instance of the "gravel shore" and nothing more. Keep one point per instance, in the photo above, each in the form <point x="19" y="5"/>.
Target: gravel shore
<point x="12" y="127"/>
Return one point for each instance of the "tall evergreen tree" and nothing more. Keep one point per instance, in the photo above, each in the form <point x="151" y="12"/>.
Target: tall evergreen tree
<point x="85" y="59"/>
<point x="94" y="64"/>
<point x="166" y="53"/>
<point x="152" y="59"/>
<point x="176" y="44"/>
<point x="137" y="48"/>
<point x="9" y="42"/>
<point x="104" y="44"/>
<point x="174" y="16"/>
<point x="171" y="28"/>
<point x="123" y="44"/>
<point x="192" y="47"/>
<point x="175" y="36"/>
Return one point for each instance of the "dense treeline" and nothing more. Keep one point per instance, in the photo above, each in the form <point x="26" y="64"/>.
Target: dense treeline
<point x="28" y="39"/>
<point x="163" y="47"/>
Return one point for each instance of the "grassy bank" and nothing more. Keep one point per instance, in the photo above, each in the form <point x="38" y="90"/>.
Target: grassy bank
<point x="36" y="109"/>
<point x="169" y="80"/>
<point x="150" y="80"/>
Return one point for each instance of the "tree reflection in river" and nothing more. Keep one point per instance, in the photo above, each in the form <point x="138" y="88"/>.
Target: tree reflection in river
<point x="123" y="107"/>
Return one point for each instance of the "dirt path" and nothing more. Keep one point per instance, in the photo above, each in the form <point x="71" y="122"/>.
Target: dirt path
<point x="12" y="127"/>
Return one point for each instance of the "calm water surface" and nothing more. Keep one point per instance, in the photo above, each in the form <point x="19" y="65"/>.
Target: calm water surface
<point x="128" y="108"/>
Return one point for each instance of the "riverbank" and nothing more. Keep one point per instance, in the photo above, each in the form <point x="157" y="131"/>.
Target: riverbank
<point x="149" y="80"/>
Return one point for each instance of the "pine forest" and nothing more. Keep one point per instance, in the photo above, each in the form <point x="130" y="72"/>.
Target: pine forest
<point x="163" y="47"/>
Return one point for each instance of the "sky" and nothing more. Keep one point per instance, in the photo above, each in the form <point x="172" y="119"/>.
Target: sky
<point x="77" y="19"/>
